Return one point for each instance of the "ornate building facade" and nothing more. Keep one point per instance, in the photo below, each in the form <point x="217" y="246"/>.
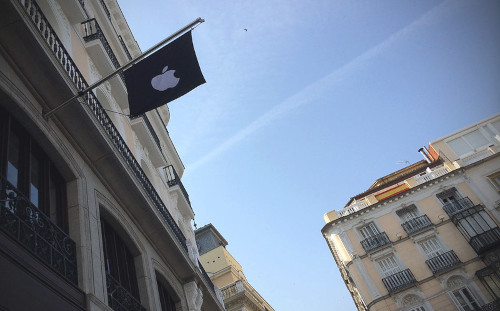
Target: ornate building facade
<point x="93" y="214"/>
<point x="227" y="273"/>
<point x="427" y="237"/>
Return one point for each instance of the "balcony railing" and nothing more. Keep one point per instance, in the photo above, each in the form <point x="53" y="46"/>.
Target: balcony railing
<point x="376" y="241"/>
<point x="151" y="130"/>
<point x="232" y="289"/>
<point x="173" y="179"/>
<point x="477" y="156"/>
<point x="33" y="229"/>
<point x="416" y="224"/>
<point x="125" y="47"/>
<point x="205" y="275"/>
<point x="486" y="240"/>
<point x="399" y="280"/>
<point x="428" y="176"/>
<point x="119" y="299"/>
<point x="64" y="58"/>
<point x="492" y="306"/>
<point x="92" y="32"/>
<point x="453" y="207"/>
<point x="443" y="262"/>
<point x="352" y="208"/>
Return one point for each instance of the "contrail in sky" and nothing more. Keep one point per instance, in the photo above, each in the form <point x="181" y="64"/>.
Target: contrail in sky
<point x="313" y="90"/>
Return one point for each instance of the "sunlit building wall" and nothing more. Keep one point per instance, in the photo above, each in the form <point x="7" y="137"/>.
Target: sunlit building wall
<point x="93" y="213"/>
<point x="427" y="237"/>
<point x="226" y="273"/>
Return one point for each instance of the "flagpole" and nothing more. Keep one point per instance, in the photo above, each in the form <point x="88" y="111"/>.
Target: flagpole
<point x="47" y="115"/>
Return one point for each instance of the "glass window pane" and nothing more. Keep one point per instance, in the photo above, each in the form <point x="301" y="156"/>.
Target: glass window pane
<point x="476" y="139"/>
<point x="460" y="147"/>
<point x="13" y="159"/>
<point x="35" y="175"/>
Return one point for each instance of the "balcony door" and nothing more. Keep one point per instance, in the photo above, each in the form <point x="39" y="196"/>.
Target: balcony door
<point x="431" y="247"/>
<point x="368" y="231"/>
<point x="388" y="266"/>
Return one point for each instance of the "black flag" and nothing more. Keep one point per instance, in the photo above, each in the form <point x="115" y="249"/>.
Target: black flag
<point x="163" y="76"/>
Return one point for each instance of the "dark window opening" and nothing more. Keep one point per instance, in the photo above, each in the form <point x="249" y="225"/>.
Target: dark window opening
<point x="25" y="165"/>
<point x="119" y="262"/>
<point x="166" y="300"/>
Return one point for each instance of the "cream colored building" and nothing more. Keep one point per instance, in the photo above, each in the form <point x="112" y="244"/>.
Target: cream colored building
<point x="93" y="213"/>
<point x="426" y="237"/>
<point x="226" y="273"/>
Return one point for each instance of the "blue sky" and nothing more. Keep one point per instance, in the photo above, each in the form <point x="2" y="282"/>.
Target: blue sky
<point x="308" y="107"/>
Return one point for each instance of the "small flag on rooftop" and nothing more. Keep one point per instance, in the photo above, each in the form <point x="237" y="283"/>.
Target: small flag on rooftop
<point x="163" y="76"/>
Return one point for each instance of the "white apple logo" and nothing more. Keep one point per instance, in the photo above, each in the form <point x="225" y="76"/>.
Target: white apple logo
<point x="165" y="81"/>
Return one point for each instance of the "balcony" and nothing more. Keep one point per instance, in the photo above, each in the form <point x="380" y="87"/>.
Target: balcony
<point x="478" y="155"/>
<point x="92" y="31"/>
<point x="48" y="35"/>
<point x="492" y="306"/>
<point x="443" y="262"/>
<point x="375" y="242"/>
<point x="398" y="281"/>
<point x="416" y="224"/>
<point x="486" y="240"/>
<point x="430" y="175"/>
<point x="454" y="207"/>
<point x="173" y="180"/>
<point x="119" y="299"/>
<point x="33" y="229"/>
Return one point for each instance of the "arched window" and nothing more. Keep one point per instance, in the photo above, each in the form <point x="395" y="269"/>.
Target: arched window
<point x="27" y="168"/>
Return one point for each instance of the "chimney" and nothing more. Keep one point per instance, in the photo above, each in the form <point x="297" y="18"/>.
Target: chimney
<point x="421" y="150"/>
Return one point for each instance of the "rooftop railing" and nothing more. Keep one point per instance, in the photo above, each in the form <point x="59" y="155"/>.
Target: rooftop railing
<point x="352" y="208"/>
<point x="64" y="58"/>
<point x="428" y="176"/>
<point x="33" y="229"/>
<point x="442" y="262"/>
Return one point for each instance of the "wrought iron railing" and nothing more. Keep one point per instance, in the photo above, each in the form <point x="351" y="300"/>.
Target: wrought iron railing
<point x="458" y="205"/>
<point x="416" y="224"/>
<point x="124" y="47"/>
<point x="33" y="229"/>
<point x="486" y="240"/>
<point x="399" y="280"/>
<point x="151" y="130"/>
<point x="92" y="31"/>
<point x="49" y="35"/>
<point x="376" y="241"/>
<point x="119" y="299"/>
<point x="108" y="14"/>
<point x="492" y="306"/>
<point x="173" y="179"/>
<point x="205" y="275"/>
<point x="442" y="262"/>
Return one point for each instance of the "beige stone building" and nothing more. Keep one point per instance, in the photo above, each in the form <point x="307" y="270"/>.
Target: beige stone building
<point x="426" y="237"/>
<point x="93" y="213"/>
<point x="226" y="273"/>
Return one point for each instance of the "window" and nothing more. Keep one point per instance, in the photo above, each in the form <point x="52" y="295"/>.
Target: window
<point x="368" y="231"/>
<point x="474" y="222"/>
<point x="408" y="213"/>
<point x="27" y="168"/>
<point x="119" y="262"/>
<point x="490" y="277"/>
<point x="431" y="247"/>
<point x="495" y="180"/>
<point x="468" y="143"/>
<point x="464" y="299"/>
<point x="388" y="266"/>
<point x="166" y="301"/>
